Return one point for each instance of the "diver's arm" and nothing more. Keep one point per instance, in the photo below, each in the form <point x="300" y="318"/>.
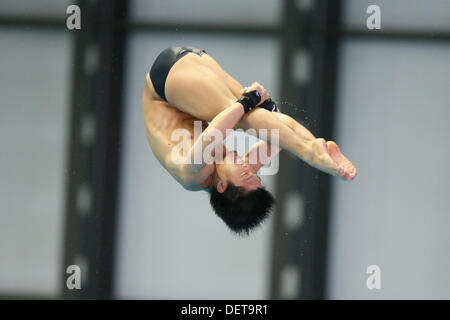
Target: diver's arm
<point x="213" y="136"/>
<point x="222" y="125"/>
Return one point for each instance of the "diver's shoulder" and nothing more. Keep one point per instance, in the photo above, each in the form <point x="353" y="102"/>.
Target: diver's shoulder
<point x="194" y="187"/>
<point x="196" y="179"/>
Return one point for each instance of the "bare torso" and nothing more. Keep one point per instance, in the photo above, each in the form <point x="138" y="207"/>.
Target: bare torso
<point x="197" y="89"/>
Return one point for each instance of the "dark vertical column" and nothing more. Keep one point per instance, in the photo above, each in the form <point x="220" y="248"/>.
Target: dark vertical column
<point x="93" y="163"/>
<point x="303" y="193"/>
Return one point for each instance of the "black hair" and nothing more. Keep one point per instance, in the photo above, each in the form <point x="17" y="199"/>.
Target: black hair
<point x="241" y="211"/>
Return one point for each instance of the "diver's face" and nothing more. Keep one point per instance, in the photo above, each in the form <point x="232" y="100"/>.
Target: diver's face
<point x="238" y="172"/>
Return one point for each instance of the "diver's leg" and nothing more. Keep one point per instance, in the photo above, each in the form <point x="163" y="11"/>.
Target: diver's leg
<point x="203" y="93"/>
<point x="198" y="86"/>
<point x="317" y="152"/>
<point x="193" y="87"/>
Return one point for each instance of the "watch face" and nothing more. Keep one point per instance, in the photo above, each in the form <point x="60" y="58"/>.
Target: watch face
<point x="256" y="97"/>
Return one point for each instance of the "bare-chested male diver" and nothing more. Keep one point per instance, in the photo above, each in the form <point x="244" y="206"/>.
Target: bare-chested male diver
<point x="184" y="85"/>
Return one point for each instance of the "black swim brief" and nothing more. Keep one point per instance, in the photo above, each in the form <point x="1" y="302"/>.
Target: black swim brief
<point x="165" y="60"/>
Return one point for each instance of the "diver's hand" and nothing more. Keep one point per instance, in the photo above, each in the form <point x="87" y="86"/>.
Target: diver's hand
<point x="262" y="92"/>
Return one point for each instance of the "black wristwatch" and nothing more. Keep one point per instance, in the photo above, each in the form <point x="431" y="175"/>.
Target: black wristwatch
<point x="249" y="100"/>
<point x="269" y="105"/>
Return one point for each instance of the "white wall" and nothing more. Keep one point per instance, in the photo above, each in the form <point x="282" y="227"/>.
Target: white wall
<point x="431" y="15"/>
<point x="171" y="244"/>
<point x="34" y="87"/>
<point x="393" y="124"/>
<point x="31" y="8"/>
<point x="230" y="12"/>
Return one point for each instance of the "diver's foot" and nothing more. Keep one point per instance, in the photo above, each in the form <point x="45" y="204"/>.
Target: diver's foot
<point x="349" y="170"/>
<point x="327" y="158"/>
<point x="322" y="160"/>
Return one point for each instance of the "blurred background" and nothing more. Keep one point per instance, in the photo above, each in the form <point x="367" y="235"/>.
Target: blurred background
<point x="79" y="184"/>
